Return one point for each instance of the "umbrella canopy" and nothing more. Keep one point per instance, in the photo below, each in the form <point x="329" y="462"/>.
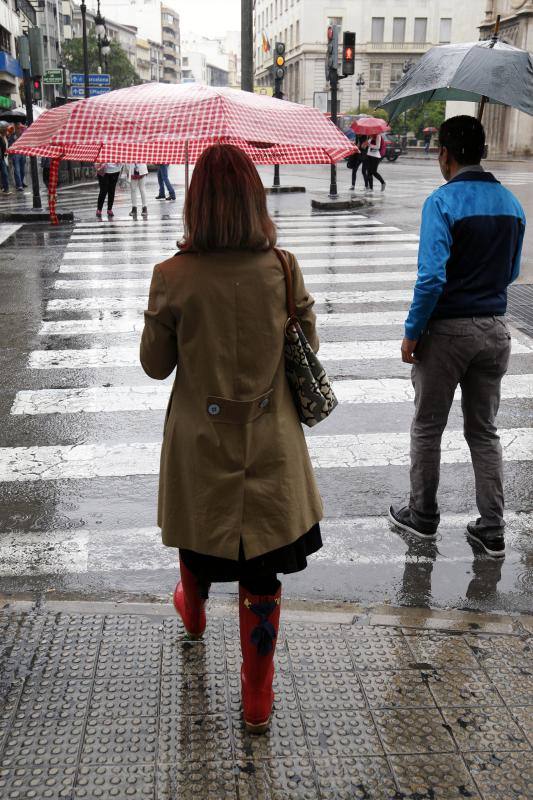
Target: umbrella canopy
<point x="164" y="123"/>
<point x="370" y="126"/>
<point x="429" y="130"/>
<point x="472" y="71"/>
<point x="19" y="114"/>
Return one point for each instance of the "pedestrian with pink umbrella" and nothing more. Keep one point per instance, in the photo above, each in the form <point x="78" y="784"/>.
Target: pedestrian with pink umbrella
<point x="374" y="148"/>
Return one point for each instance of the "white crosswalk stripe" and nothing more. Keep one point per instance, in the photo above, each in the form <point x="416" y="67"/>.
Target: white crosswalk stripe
<point x="64" y="462"/>
<point x="111" y="399"/>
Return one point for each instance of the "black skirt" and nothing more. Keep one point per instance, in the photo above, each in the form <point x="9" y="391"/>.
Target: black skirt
<point x="287" y="559"/>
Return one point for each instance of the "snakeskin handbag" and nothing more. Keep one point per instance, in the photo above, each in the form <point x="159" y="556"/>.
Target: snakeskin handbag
<point x="310" y="387"/>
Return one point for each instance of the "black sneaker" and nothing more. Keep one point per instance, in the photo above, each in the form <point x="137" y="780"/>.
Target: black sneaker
<point x="160" y="197"/>
<point x="490" y="539"/>
<point x="401" y="518"/>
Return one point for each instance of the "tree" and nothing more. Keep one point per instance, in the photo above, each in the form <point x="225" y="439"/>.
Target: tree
<point x="120" y="68"/>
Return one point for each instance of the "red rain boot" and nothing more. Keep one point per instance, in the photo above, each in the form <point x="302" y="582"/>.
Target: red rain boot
<point x="189" y="603"/>
<point x="259" y="624"/>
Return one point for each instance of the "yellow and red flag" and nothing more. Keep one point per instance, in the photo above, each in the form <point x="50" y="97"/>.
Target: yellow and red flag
<point x="266" y="43"/>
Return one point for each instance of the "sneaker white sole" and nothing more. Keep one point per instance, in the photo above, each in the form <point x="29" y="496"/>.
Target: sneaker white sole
<point x="425" y="537"/>
<point x="481" y="543"/>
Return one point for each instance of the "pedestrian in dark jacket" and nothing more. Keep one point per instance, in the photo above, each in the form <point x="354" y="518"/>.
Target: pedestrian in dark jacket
<point x="237" y="494"/>
<point x="357" y="160"/>
<point x="456" y="334"/>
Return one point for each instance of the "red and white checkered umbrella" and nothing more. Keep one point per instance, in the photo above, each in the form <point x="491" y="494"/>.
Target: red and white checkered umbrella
<point x="159" y="122"/>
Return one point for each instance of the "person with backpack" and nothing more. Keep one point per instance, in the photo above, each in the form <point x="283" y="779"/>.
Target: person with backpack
<point x="376" y="149"/>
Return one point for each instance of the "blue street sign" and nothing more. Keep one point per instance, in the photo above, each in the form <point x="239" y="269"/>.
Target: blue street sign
<point x="95" y="79"/>
<point x="79" y="91"/>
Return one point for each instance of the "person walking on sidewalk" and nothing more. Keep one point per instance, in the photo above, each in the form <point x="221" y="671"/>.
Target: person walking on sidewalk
<point x="456" y="334"/>
<point x="107" y="179"/>
<point x="4" y="171"/>
<point x="163" y="180"/>
<point x="237" y="493"/>
<point x="17" y="160"/>
<point x="137" y="175"/>
<point x="373" y="157"/>
<point x="355" y="161"/>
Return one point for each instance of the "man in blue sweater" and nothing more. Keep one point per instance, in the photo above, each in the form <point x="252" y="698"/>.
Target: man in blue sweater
<point x="455" y="333"/>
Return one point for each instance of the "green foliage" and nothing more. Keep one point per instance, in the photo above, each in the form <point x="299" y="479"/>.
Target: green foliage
<point x="425" y="116"/>
<point x="119" y="66"/>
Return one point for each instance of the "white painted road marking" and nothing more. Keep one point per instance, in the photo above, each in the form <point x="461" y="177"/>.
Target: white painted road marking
<point x="118" y="399"/>
<point x="83" y="461"/>
<point x="7" y="230"/>
<point x="129" y="323"/>
<point x="99" y="357"/>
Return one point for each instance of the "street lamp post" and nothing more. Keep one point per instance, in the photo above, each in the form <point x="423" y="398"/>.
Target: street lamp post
<point x="406" y="67"/>
<point x="106" y="49"/>
<point x="83" y="10"/>
<point x="360" y="82"/>
<point x="99" y="29"/>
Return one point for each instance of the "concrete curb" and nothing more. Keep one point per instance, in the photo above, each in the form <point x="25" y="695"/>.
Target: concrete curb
<point x="284" y="189"/>
<point x="325" y="613"/>
<point x="35" y="216"/>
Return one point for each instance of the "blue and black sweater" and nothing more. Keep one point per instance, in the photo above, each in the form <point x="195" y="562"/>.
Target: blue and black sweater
<point x="470" y="246"/>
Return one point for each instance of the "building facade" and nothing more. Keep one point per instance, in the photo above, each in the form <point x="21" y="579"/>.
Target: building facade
<point x="390" y="35"/>
<point x="509" y="132"/>
<point x="171" y="41"/>
<point x="125" y="35"/>
<point x="193" y="67"/>
<point x="11" y="26"/>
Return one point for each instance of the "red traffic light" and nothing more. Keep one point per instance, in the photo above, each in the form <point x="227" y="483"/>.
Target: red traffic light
<point x="36" y="84"/>
<point x="348" y="54"/>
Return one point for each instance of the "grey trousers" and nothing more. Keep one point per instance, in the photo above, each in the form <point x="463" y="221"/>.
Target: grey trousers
<point x="473" y="353"/>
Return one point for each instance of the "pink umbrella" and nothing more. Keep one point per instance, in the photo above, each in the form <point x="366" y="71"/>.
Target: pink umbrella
<point x="370" y="126"/>
<point x="162" y="123"/>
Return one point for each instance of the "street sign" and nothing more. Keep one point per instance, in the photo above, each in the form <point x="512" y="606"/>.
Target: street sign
<point x="79" y="91"/>
<point x="95" y="79"/>
<point x="53" y="77"/>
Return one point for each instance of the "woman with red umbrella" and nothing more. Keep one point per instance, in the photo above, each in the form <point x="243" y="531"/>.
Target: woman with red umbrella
<point x="237" y="494"/>
<point x="374" y="148"/>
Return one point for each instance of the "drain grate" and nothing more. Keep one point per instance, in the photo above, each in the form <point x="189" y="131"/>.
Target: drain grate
<point x="520" y="307"/>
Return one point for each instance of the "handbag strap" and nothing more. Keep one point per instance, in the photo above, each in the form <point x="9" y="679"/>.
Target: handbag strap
<point x="291" y="305"/>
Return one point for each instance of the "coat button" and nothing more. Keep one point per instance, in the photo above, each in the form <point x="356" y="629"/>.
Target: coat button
<point x="213" y="409"/>
<point x="264" y="402"/>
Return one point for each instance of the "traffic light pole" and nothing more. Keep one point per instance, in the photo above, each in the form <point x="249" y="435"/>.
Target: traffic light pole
<point x="334" y="82"/>
<point x="279" y="94"/>
<point x="37" y="204"/>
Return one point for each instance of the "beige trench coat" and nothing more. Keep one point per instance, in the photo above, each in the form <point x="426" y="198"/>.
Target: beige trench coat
<point x="234" y="461"/>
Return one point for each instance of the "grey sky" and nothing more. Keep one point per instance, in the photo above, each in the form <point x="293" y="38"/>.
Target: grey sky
<point x="208" y="17"/>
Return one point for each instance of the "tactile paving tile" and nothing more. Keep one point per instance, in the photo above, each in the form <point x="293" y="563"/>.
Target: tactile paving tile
<point x="355" y="778"/>
<point x="524" y="716"/>
<point x="455" y="687"/>
<point x="328" y="691"/>
<point x="435" y="776"/>
<point x="286" y="737"/>
<point x="505" y="776"/>
<point x="317" y="631"/>
<point x="45" y="783"/>
<point x="437" y="650"/>
<point x="413" y="730"/>
<point x="341" y="733"/>
<point x="202" y="655"/>
<point x="284" y="691"/>
<point x="515" y="684"/>
<point x="315" y="655"/>
<point x="194" y="737"/>
<point x="128" y="740"/>
<point x="120" y="658"/>
<point x="377" y="649"/>
<point x="125" y="697"/>
<point x="396" y="688"/>
<point x="56" y="700"/>
<point x="515" y="651"/>
<point x="43" y="741"/>
<point x="485" y="729"/>
<point x="276" y="779"/>
<point x="124" y="783"/>
<point x="194" y="693"/>
<point x="196" y="780"/>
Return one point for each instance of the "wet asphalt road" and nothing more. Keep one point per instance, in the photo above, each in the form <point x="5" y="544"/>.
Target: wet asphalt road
<point x="80" y="423"/>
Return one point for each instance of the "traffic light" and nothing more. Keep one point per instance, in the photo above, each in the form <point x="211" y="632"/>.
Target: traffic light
<point x="348" y="53"/>
<point x="332" y="61"/>
<point x="279" y="61"/>
<point x="37" y="89"/>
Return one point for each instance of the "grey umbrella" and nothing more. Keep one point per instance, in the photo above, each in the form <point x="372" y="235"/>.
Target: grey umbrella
<point x="489" y="71"/>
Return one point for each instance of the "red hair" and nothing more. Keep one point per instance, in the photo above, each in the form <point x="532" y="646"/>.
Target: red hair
<point x="226" y="205"/>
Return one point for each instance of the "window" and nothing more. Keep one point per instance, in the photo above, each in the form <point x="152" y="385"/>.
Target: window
<point x="398" y="29"/>
<point x="396" y="72"/>
<point x="185" y="61"/>
<point x="335" y="21"/>
<point x="373" y="103"/>
<point x="421" y="24"/>
<point x="271" y="11"/>
<point x="378" y="27"/>
<point x="5" y="40"/>
<point x="375" y="75"/>
<point x="297" y="32"/>
<point x="445" y="35"/>
<point x="291" y="37"/>
<point x="276" y="9"/>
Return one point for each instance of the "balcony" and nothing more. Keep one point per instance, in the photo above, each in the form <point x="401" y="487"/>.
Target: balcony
<point x="398" y="47"/>
<point x="27" y="9"/>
